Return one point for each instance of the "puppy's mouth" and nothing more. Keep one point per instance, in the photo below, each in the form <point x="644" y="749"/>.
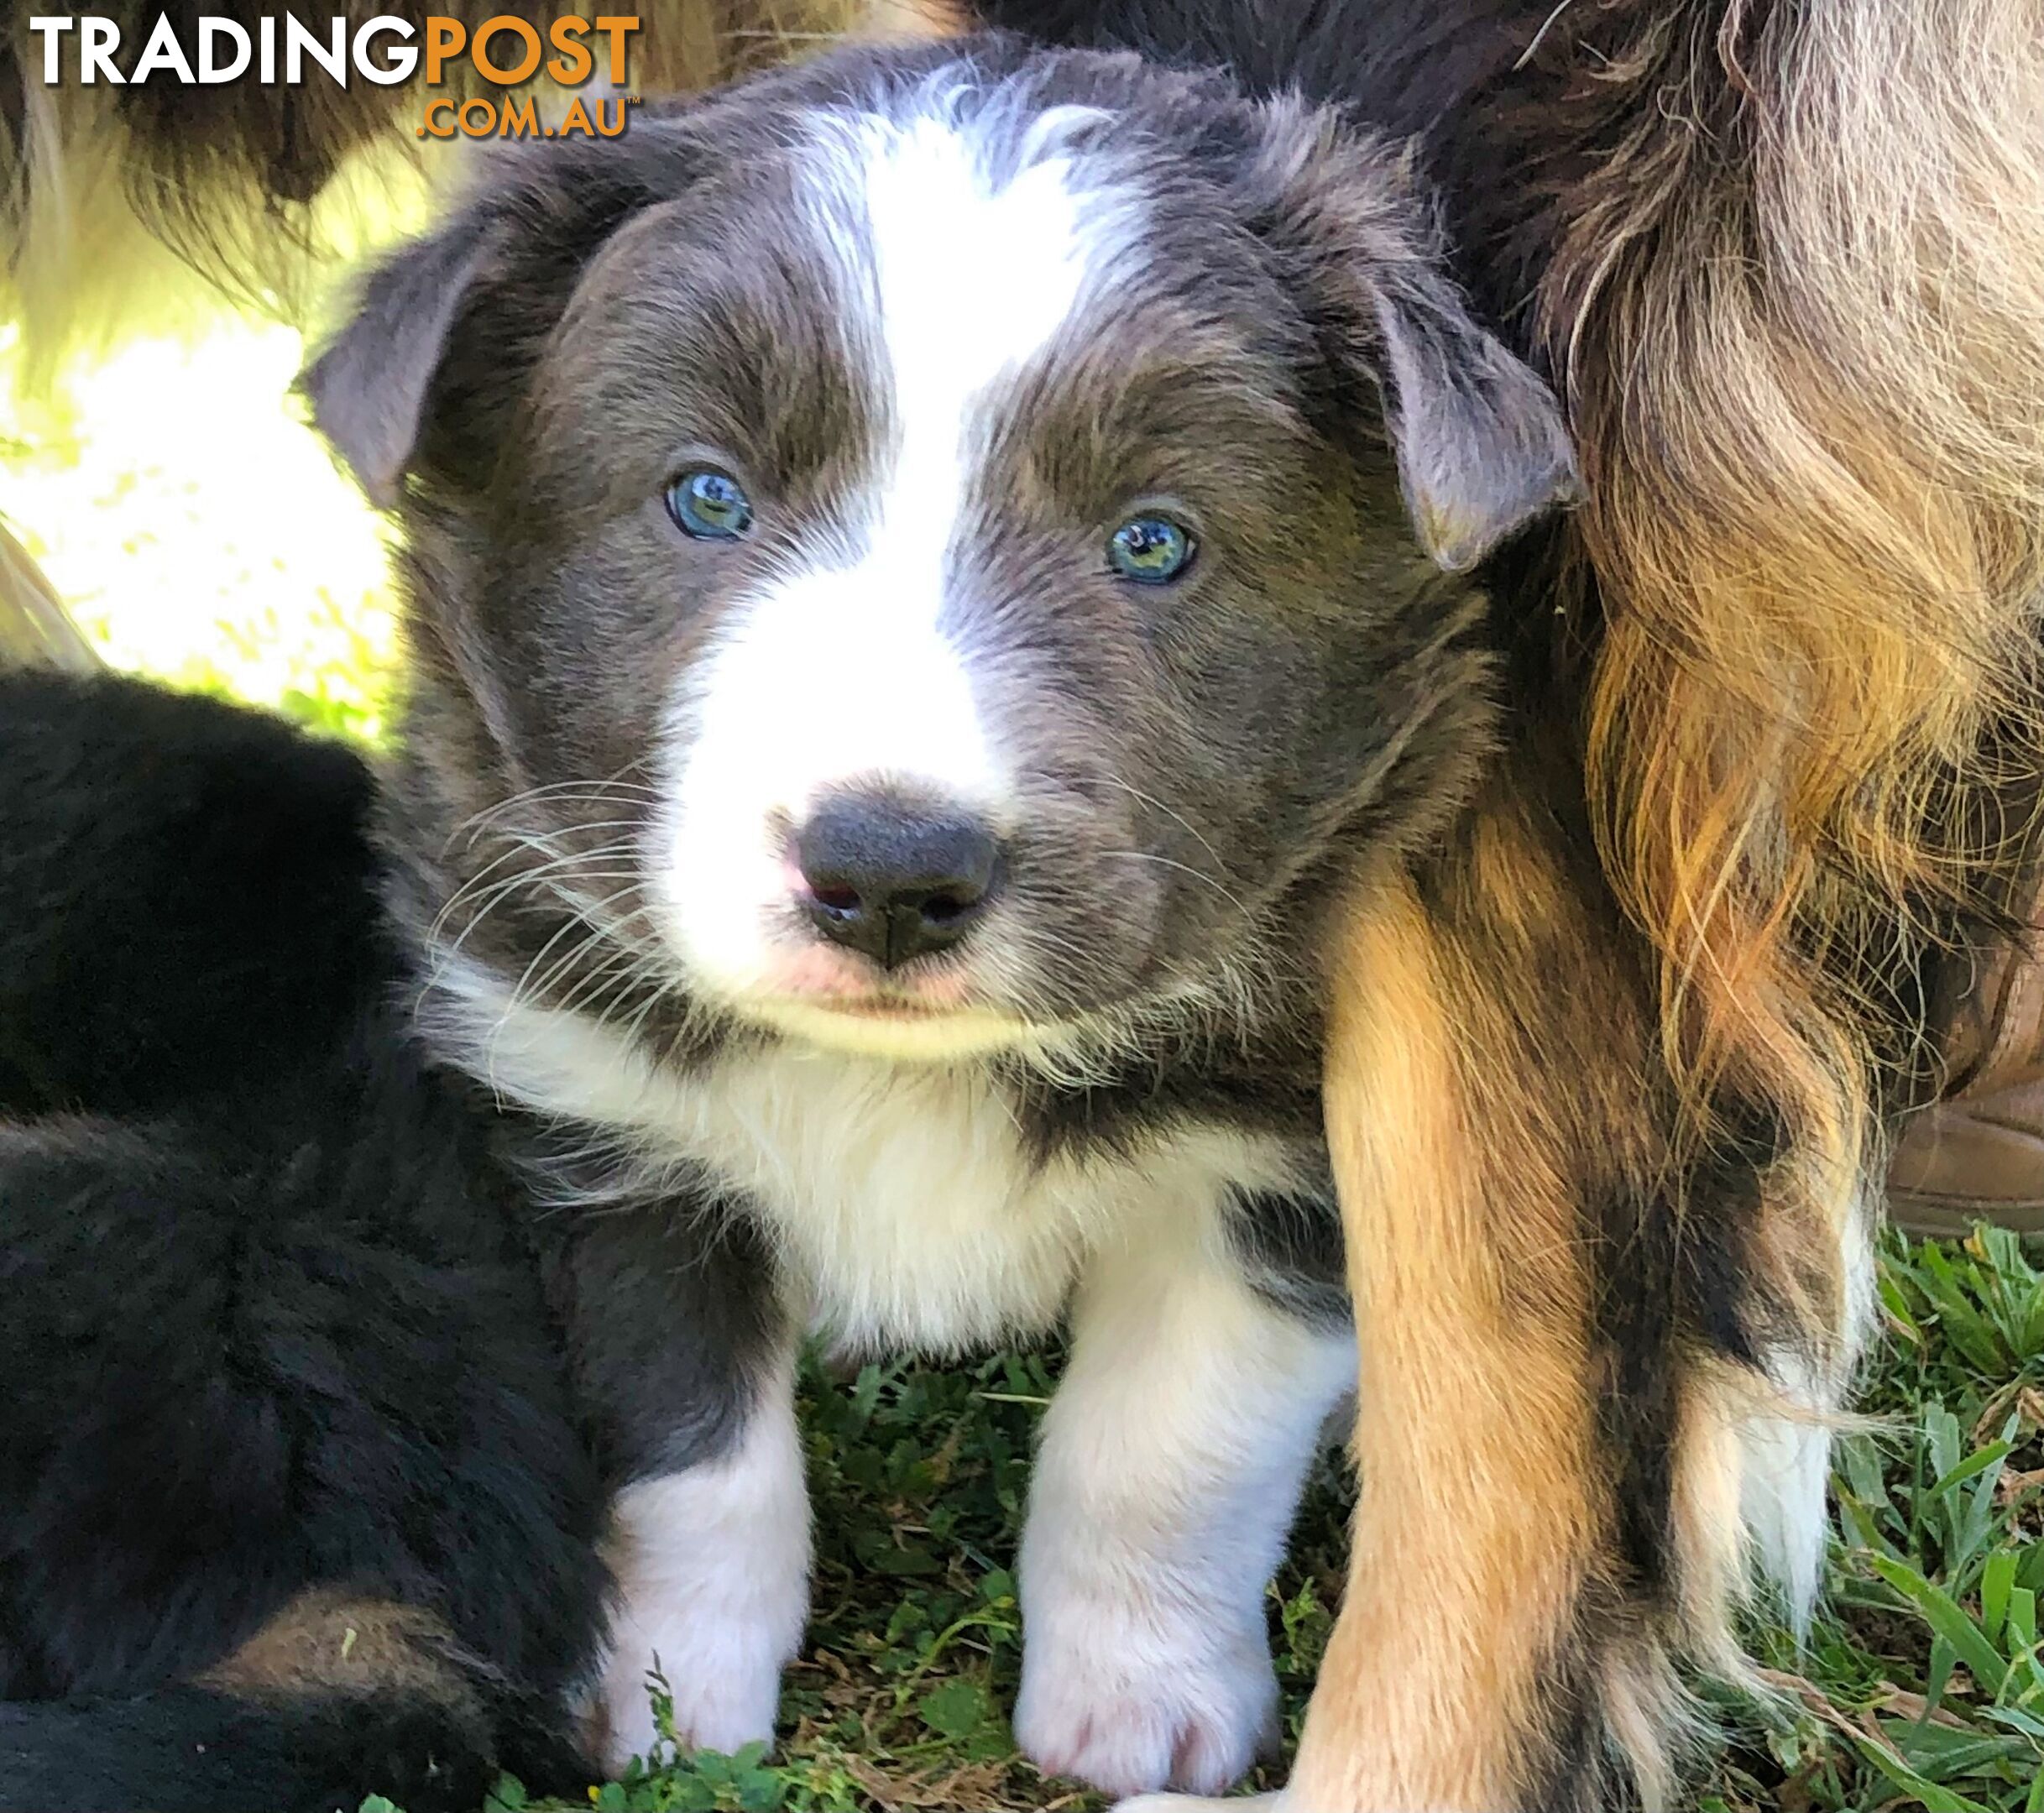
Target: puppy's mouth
<point x="817" y="996"/>
<point x="824" y="977"/>
<point x="883" y="1008"/>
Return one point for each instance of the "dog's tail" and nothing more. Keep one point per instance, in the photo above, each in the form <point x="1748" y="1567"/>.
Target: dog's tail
<point x="334" y="1701"/>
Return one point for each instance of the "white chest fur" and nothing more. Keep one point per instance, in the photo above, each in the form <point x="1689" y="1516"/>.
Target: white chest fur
<point x="900" y="1198"/>
<point x="905" y="1205"/>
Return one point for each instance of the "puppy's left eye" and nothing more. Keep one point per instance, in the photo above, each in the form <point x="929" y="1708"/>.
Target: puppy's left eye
<point x="1151" y="550"/>
<point x="710" y="505"/>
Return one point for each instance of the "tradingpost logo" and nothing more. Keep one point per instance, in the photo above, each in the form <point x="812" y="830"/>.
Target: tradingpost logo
<point x="503" y="52"/>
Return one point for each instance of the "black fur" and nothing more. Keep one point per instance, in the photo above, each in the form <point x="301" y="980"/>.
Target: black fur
<point x="171" y="872"/>
<point x="186" y="1750"/>
<point x="276" y="1317"/>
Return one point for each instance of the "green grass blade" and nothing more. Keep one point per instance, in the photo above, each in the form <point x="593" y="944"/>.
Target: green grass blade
<point x="1944" y="1616"/>
<point x="1997" y="1582"/>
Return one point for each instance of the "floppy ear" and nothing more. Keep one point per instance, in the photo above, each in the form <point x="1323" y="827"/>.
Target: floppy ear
<point x="367" y="388"/>
<point x="442" y="336"/>
<point x="1480" y="442"/>
<point x="1482" y="446"/>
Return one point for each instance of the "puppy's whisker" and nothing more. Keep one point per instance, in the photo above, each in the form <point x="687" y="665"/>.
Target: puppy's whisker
<point x="1169" y="810"/>
<point x="598" y="934"/>
<point x="617" y="972"/>
<point x="556" y="790"/>
<point x="503" y="890"/>
<point x="1198" y="874"/>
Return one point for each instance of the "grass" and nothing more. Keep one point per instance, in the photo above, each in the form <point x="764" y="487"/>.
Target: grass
<point x="200" y="535"/>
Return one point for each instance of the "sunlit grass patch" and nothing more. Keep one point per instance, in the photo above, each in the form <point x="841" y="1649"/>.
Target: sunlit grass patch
<point x="199" y="530"/>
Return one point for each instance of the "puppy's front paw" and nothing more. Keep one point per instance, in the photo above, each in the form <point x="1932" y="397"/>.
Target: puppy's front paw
<point x="713" y="1570"/>
<point x="1127" y="1698"/>
<point x="725" y="1684"/>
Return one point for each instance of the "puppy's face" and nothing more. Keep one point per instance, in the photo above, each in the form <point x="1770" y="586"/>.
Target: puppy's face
<point x="943" y="520"/>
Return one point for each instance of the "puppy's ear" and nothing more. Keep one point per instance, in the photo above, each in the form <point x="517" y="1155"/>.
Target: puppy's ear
<point x="428" y="364"/>
<point x="1480" y="442"/>
<point x="1482" y="445"/>
<point x="367" y="388"/>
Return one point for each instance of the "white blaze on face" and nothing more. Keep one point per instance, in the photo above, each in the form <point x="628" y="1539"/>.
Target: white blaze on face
<point x="840" y="672"/>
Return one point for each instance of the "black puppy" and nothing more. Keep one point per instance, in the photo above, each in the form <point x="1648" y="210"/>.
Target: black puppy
<point x="293" y="1506"/>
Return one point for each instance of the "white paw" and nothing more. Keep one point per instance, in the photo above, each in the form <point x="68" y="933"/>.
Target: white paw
<point x="1129" y="1696"/>
<point x="726" y="1687"/>
<point x="712" y="1572"/>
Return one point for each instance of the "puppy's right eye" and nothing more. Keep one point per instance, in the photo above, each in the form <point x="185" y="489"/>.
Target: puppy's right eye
<point x="1151" y="550"/>
<point x="710" y="505"/>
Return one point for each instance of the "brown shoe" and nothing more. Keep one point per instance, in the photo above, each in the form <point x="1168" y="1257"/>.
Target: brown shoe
<point x="1977" y="1155"/>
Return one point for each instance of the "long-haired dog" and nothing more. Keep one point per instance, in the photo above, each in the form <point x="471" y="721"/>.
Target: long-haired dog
<point x="1613" y="1076"/>
<point x="114" y="196"/>
<point x="925" y="584"/>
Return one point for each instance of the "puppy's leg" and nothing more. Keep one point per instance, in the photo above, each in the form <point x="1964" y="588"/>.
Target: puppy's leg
<point x="713" y="1570"/>
<point x="1171" y="1464"/>
<point x="687" y="1363"/>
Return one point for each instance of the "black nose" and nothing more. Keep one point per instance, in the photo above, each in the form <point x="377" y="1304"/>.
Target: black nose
<point x="895" y="880"/>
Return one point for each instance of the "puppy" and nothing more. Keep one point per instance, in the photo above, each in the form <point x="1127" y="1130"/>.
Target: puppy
<point x="295" y="1502"/>
<point x="925" y="580"/>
